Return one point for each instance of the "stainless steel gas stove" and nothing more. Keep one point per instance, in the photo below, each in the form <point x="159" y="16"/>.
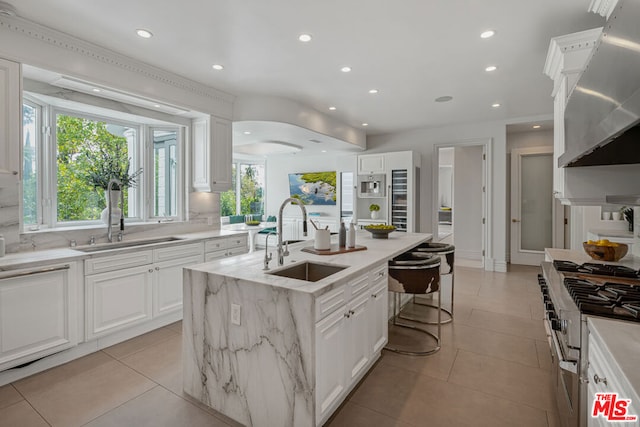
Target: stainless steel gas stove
<point x="570" y="293"/>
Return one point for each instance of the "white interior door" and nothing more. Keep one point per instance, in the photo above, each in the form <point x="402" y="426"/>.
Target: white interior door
<point x="531" y="204"/>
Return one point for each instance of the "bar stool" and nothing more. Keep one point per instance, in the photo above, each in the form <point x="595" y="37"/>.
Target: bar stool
<point x="446" y="252"/>
<point x="414" y="274"/>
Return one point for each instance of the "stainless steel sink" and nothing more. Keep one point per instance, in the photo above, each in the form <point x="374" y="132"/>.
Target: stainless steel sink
<point x="126" y="244"/>
<point x="308" y="271"/>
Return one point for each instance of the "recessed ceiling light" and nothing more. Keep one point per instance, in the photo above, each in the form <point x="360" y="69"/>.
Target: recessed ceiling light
<point x="156" y="105"/>
<point x="373" y="91"/>
<point x="217" y="67"/>
<point x="487" y="34"/>
<point x="95" y="89"/>
<point x="365" y="124"/>
<point x="495" y="105"/>
<point x="491" y="68"/>
<point x="446" y="98"/>
<point x="324" y="151"/>
<point x="304" y="38"/>
<point x="246" y="132"/>
<point x="345" y="69"/>
<point x="145" y="34"/>
<point x="332" y="108"/>
<point x="536" y="126"/>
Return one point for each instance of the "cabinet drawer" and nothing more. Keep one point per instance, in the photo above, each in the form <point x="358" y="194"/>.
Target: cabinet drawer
<point x="379" y="274"/>
<point x="117" y="262"/>
<point x="329" y="302"/>
<point x="236" y="251"/>
<point x="215" y="255"/>
<point x="359" y="285"/>
<point x="237" y="241"/>
<point x="174" y="252"/>
<point x="215" y="245"/>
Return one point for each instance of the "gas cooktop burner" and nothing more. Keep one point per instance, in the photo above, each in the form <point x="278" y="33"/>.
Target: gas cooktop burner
<point x="595" y="268"/>
<point x="617" y="300"/>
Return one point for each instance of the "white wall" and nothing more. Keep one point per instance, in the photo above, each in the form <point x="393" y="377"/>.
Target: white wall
<point x="277" y="181"/>
<point x="467" y="202"/>
<point x="422" y="141"/>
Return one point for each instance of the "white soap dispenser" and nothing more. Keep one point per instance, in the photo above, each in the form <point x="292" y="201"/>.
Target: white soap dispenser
<point x="351" y="236"/>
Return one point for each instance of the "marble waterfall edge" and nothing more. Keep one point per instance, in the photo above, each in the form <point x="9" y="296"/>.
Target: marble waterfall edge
<point x="259" y="373"/>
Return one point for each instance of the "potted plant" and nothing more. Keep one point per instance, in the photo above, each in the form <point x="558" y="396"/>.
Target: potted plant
<point x="374" y="209"/>
<point x="627" y="213"/>
<point x="108" y="166"/>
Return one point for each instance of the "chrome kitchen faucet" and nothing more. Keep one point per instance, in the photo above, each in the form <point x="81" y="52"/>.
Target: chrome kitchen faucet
<point x="281" y="252"/>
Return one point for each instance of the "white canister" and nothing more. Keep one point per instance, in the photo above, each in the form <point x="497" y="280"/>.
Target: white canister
<point x="606" y="216"/>
<point x="615" y="216"/>
<point x="322" y="240"/>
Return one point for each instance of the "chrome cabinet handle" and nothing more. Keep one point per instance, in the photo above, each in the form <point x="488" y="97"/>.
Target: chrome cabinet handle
<point x="151" y="270"/>
<point x="598" y="379"/>
<point x="347" y="315"/>
<point x="157" y="268"/>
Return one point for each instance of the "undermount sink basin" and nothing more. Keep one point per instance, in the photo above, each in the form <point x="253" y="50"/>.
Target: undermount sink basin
<point x="308" y="271"/>
<point x="126" y="244"/>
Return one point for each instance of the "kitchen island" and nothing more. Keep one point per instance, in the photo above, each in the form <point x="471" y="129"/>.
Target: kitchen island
<point x="267" y="350"/>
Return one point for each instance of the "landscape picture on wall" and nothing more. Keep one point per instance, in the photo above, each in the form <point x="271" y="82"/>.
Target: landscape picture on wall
<point x="313" y="188"/>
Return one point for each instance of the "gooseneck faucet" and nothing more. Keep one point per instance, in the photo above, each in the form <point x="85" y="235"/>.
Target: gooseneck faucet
<point x="267" y="258"/>
<point x="281" y="252"/>
<point x="109" y="225"/>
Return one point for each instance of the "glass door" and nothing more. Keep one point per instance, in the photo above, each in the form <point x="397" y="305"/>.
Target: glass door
<point x="398" y="199"/>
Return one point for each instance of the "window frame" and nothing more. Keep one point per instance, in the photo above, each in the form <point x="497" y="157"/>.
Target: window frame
<point x="39" y="148"/>
<point x="140" y="198"/>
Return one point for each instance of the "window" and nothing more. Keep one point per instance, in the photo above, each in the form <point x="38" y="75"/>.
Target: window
<point x="247" y="193"/>
<point x="65" y="184"/>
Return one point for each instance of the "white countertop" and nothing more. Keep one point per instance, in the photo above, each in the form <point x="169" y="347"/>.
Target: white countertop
<point x="580" y="257"/>
<point x="249" y="266"/>
<point x="622" y="341"/>
<point x="18" y="260"/>
<point x="620" y="236"/>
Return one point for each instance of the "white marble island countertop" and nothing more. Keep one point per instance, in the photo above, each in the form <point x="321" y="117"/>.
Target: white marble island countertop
<point x="250" y="266"/>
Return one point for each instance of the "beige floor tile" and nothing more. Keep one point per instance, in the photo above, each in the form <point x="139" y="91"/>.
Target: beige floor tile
<point x="8" y="396"/>
<point x="553" y="419"/>
<point x="426" y="401"/>
<point x="84" y="393"/>
<point x="161" y="363"/>
<point x="508" y="380"/>
<point x="496" y="344"/>
<point x="51" y="377"/>
<point x="513" y="325"/>
<point x="157" y="408"/>
<point x="511" y="305"/>
<point x="437" y="365"/>
<point x="20" y="414"/>
<point x="544" y="355"/>
<point x="139" y="343"/>
<point x="176" y="327"/>
<point x="352" y="415"/>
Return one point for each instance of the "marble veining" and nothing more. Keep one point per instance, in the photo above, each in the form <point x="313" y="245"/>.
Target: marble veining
<point x="227" y="366"/>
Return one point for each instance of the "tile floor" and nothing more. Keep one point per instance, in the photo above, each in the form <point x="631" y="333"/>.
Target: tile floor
<point x="492" y="370"/>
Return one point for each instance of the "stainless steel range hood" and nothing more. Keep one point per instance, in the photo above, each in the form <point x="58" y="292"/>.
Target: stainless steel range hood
<point x="603" y="112"/>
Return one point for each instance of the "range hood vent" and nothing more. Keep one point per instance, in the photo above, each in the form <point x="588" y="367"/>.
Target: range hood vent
<point x="632" y="200"/>
<point x="606" y="100"/>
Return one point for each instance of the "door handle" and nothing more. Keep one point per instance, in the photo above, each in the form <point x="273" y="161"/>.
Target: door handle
<point x="515" y="220"/>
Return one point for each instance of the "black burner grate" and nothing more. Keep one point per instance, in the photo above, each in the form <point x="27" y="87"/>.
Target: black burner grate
<point x="596" y="268"/>
<point x="617" y="300"/>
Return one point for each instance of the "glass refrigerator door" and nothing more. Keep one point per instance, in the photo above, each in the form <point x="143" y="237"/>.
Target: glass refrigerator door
<point x="399" y="199"/>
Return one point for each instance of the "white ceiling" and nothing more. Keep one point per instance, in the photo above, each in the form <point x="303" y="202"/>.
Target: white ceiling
<point x="412" y="51"/>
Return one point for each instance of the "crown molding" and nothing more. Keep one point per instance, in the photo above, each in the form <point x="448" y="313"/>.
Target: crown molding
<point x="94" y="52"/>
<point x="603" y="7"/>
<point x="562" y="45"/>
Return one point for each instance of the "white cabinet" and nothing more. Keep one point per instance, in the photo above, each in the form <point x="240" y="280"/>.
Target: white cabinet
<point x="37" y="313"/>
<point x="371" y="164"/>
<point x="132" y="288"/>
<point x="212" y="154"/>
<point x="225" y="247"/>
<point x="118" y="299"/>
<point x="351" y="330"/>
<point x="613" y="357"/>
<point x="10" y="122"/>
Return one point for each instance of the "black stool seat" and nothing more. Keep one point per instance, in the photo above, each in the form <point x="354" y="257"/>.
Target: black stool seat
<point x="446" y="252"/>
<point x="416" y="274"/>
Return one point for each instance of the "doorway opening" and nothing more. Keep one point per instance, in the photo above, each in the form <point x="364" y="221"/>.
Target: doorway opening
<point x="461" y="212"/>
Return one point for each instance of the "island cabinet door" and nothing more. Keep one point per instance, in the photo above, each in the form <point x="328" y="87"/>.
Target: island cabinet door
<point x="358" y="354"/>
<point x="331" y="339"/>
<point x="378" y="313"/>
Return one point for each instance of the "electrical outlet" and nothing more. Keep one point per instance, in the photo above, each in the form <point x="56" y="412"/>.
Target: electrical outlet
<point x="235" y="314"/>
